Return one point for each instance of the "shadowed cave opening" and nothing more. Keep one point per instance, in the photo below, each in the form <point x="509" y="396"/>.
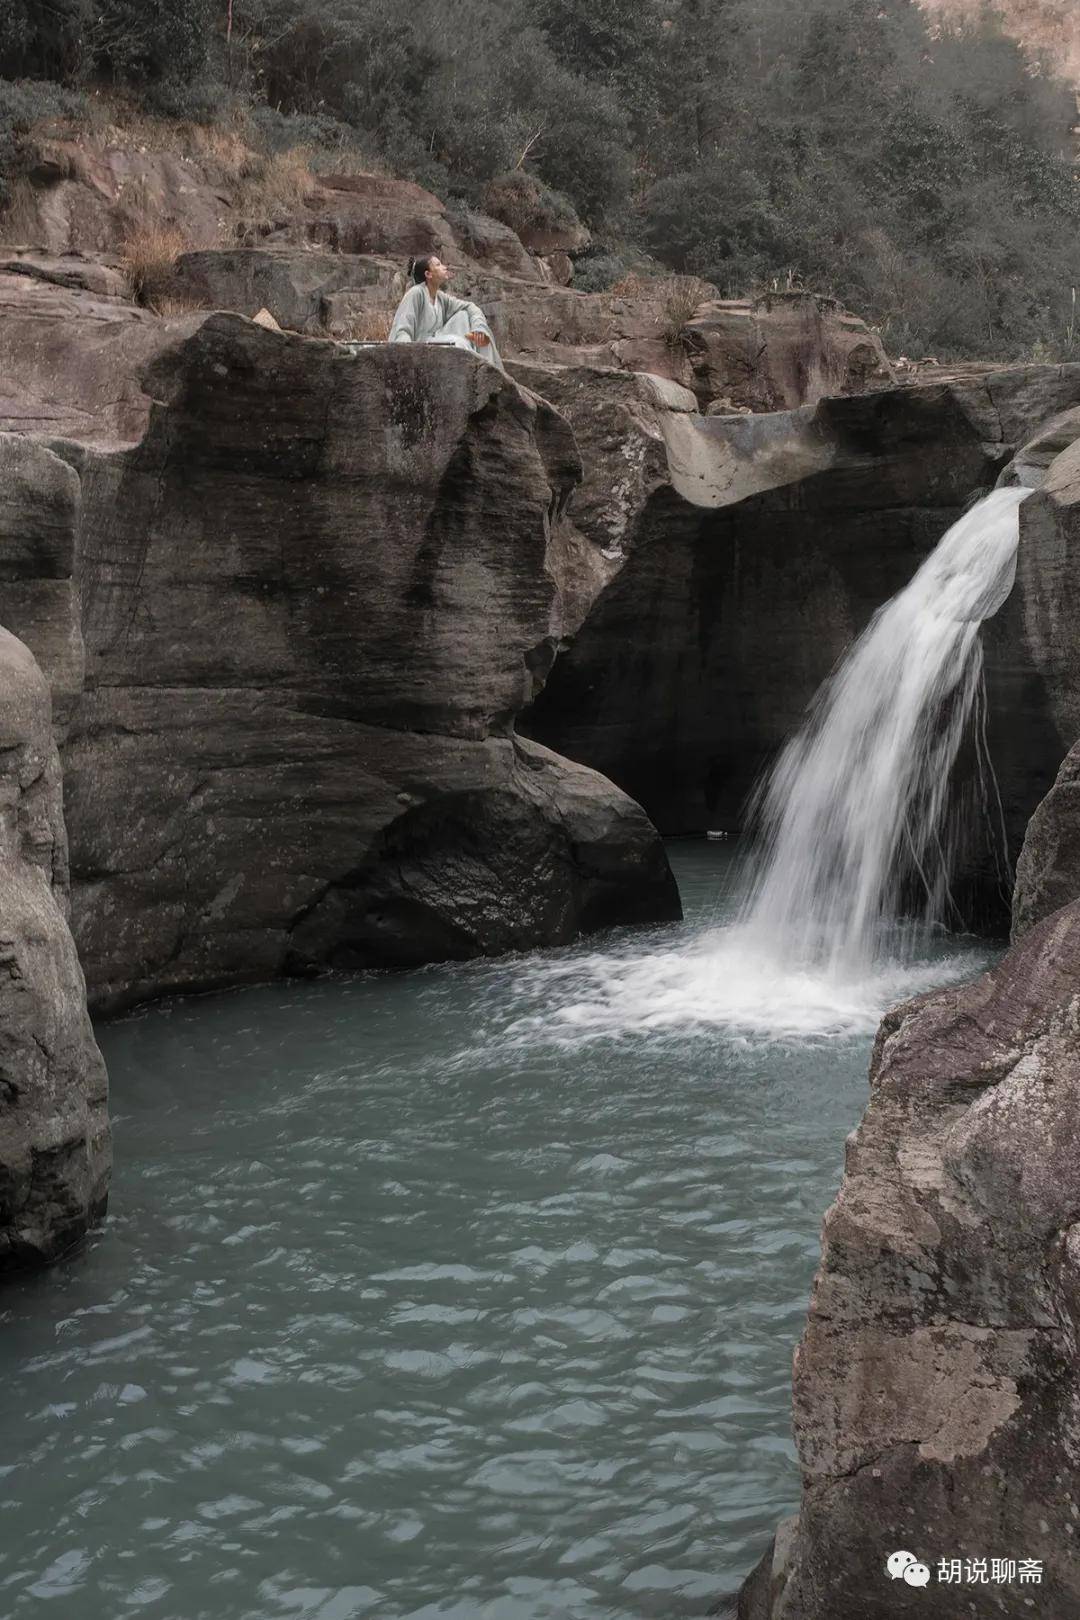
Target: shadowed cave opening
<point x="703" y="655"/>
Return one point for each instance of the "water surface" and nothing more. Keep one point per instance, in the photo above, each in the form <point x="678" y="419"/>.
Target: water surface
<point x="468" y="1293"/>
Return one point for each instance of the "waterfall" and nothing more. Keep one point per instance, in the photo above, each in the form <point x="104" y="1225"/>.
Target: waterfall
<point x="852" y="816"/>
<point x="852" y="825"/>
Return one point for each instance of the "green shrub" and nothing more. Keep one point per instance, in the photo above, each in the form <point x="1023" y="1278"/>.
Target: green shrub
<point x="598" y="272"/>
<point x="44" y="41"/>
<point x="204" y="101"/>
<point x="23" y="107"/>
<point x="141" y="42"/>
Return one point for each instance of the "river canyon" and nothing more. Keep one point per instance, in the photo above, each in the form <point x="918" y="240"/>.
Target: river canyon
<point x="455" y="1257"/>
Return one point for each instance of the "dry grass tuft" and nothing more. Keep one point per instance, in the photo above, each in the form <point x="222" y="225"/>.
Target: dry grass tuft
<point x="365" y="326"/>
<point x="683" y="297"/>
<point x="223" y="146"/>
<point x="149" y="256"/>
<point x="166" y="304"/>
<point x="632" y="285"/>
<point x="345" y="159"/>
<point x="269" y="190"/>
<point x="288" y="179"/>
<point x="19" y="221"/>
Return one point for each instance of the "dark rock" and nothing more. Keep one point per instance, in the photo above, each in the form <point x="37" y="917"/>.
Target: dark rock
<point x="619" y="421"/>
<point x="1048" y="871"/>
<point x="529" y="847"/>
<point x="90" y="197"/>
<point x="492" y="244"/>
<point x="782" y="350"/>
<point x="1047" y="599"/>
<point x="310" y="291"/>
<point x="78" y="271"/>
<point x="54" y="1140"/>
<point x="1033" y="460"/>
<point x="750" y="551"/>
<point x="937" y="1407"/>
<point x="559" y="268"/>
<point x="314" y="595"/>
<point x="1034" y="648"/>
<point x="88" y="386"/>
<point x="367" y="213"/>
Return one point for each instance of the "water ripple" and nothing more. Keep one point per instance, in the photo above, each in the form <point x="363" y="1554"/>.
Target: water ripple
<point x="399" y="1316"/>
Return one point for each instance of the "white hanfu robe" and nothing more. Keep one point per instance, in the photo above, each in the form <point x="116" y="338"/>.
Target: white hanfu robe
<point x="444" y="319"/>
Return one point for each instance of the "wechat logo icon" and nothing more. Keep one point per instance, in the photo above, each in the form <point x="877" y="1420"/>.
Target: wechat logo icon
<point x="906" y="1567"/>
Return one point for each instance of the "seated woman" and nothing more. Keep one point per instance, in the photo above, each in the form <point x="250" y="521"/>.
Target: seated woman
<point x="428" y="314"/>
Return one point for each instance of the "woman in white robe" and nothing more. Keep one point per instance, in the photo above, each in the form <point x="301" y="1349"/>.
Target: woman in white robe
<point x="429" y="314"/>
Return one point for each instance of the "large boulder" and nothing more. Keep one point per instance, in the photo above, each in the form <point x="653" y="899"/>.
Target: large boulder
<point x="90" y="196"/>
<point x="314" y="593"/>
<point x="937" y="1396"/>
<point x="314" y="291"/>
<point x="491" y="243"/>
<point x="72" y="356"/>
<point x="54" y="1133"/>
<point x="781" y="350"/>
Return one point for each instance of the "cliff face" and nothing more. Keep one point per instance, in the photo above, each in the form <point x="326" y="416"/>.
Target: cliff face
<point x="327" y="256"/>
<point x="936" y="1399"/>
<point x="1046" y="603"/>
<point x="749" y="552"/>
<point x="54" y="1146"/>
<point x="937" y="1405"/>
<point x="312" y="596"/>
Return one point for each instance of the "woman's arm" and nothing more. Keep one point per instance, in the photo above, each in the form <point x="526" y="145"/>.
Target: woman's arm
<point x="454" y="306"/>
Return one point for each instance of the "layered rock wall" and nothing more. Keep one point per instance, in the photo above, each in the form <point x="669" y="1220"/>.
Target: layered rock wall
<point x="54" y="1134"/>
<point x="311" y="598"/>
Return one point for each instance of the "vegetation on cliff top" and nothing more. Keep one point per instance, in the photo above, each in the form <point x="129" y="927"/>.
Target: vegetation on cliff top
<point x="924" y="174"/>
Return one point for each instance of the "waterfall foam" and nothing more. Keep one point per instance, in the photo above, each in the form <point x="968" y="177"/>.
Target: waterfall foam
<point x="852" y="823"/>
<point x="853" y="815"/>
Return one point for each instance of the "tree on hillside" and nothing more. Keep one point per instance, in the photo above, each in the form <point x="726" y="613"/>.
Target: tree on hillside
<point x="43" y="42"/>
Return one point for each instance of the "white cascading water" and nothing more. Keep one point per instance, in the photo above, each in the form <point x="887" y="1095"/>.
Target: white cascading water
<point x="851" y="822"/>
<point x="853" y="813"/>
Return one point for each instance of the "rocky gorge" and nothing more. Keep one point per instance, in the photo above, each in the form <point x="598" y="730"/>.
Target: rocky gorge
<point x="374" y="657"/>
